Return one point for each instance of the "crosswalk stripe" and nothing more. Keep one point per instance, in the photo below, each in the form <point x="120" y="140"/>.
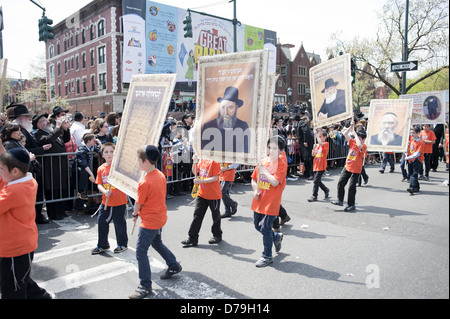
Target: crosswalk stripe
<point x="61" y="252"/>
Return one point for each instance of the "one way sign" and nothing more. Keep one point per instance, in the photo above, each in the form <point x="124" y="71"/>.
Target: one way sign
<point x="404" y="66"/>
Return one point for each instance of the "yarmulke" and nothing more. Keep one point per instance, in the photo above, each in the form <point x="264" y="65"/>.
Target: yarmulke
<point x="152" y="153"/>
<point x="20" y="154"/>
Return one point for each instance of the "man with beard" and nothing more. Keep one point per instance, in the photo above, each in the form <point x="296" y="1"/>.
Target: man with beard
<point x="334" y="103"/>
<point x="22" y="117"/>
<point x="227" y="132"/>
<point x="387" y="135"/>
<point x="55" y="169"/>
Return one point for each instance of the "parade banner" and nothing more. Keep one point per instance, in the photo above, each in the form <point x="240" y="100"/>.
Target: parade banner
<point x="428" y="107"/>
<point x="331" y="91"/>
<point x="232" y="120"/>
<point x="142" y="121"/>
<point x="389" y="125"/>
<point x="134" y="54"/>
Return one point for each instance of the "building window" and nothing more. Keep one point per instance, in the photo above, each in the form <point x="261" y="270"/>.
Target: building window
<point x="283" y="70"/>
<point x="92" y="32"/>
<point x="78" y="86"/>
<point x="101" y="55"/>
<point x="93" y="83"/>
<point x="301" y="88"/>
<point x="83" y="36"/>
<point x="59" y="68"/>
<point x="101" y="28"/>
<point x="51" y="51"/>
<point x="84" y="86"/>
<point x="302" y="71"/>
<point x="77" y="61"/>
<point x="84" y="60"/>
<point x="51" y="72"/>
<point x="102" y="81"/>
<point x="92" y="57"/>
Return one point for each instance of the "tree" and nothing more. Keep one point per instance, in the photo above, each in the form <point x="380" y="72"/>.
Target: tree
<point x="428" y="42"/>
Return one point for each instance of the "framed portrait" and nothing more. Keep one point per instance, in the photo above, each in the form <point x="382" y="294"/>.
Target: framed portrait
<point x="428" y="107"/>
<point x="331" y="91"/>
<point x="389" y="125"/>
<point x="231" y="107"/>
<point x="143" y="118"/>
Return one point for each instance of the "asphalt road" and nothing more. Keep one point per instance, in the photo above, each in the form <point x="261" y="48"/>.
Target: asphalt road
<point x="394" y="246"/>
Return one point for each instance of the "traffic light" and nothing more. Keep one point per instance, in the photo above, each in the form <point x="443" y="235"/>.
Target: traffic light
<point x="188" y="27"/>
<point x="45" y="29"/>
<point x="353" y="69"/>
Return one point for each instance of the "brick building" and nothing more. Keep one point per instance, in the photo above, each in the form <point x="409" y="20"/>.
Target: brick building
<point x="84" y="59"/>
<point x="294" y="74"/>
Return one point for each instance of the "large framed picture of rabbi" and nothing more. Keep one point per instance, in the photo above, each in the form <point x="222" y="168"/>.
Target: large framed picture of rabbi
<point x="331" y="91"/>
<point x="231" y="107"/>
<point x="389" y="125"/>
<point x="142" y="121"/>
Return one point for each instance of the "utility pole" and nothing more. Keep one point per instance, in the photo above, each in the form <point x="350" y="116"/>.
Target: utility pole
<point x="405" y="48"/>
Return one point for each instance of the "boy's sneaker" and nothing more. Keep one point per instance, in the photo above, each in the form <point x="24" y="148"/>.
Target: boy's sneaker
<point x="337" y="202"/>
<point x="327" y="194"/>
<point x="98" y="250"/>
<point x="189" y="243"/>
<point x="312" y="199"/>
<point x="263" y="262"/>
<point x="120" y="249"/>
<point x="171" y="271"/>
<point x="214" y="240"/>
<point x="277" y="243"/>
<point x="141" y="292"/>
<point x="284" y="220"/>
<point x="350" y="208"/>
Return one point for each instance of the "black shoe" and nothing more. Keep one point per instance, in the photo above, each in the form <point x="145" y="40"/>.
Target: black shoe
<point x="327" y="194"/>
<point x="312" y="199"/>
<point x="189" y="243"/>
<point x="234" y="209"/>
<point x="42" y="220"/>
<point x="225" y="215"/>
<point x="284" y="220"/>
<point x="381" y="171"/>
<point x="350" y="208"/>
<point x="141" y="292"/>
<point x="170" y="272"/>
<point x="214" y="240"/>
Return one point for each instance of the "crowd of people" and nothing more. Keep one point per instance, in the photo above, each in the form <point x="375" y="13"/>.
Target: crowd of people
<point x="295" y="149"/>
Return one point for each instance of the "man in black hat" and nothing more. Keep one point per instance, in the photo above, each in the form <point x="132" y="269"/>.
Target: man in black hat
<point x="227" y="132"/>
<point x="334" y="103"/>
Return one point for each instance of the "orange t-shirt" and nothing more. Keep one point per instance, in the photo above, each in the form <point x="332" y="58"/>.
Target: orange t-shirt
<point x="117" y="197"/>
<point x="152" y="196"/>
<point x="428" y="136"/>
<point x="355" y="157"/>
<point x="18" y="231"/>
<point x="416" y="146"/>
<point x="207" y="169"/>
<point x="227" y="176"/>
<point x="269" y="200"/>
<point x="320" y="158"/>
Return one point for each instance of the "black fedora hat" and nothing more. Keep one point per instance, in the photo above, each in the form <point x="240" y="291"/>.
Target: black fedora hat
<point x="231" y="94"/>
<point x="58" y="109"/>
<point x="19" y="109"/>
<point x="36" y="119"/>
<point x="329" y="83"/>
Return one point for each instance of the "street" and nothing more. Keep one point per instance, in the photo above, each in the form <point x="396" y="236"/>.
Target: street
<point x="396" y="245"/>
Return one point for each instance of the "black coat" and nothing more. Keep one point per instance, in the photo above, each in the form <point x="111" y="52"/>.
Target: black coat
<point x="55" y="169"/>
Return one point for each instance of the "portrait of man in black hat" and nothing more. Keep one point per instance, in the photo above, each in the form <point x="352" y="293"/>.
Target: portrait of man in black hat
<point x="334" y="102"/>
<point x="227" y="132"/>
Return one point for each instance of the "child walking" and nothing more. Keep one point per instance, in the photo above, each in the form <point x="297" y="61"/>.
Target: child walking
<point x="320" y="153"/>
<point x="18" y="231"/>
<point x="113" y="207"/>
<point x="151" y="207"/>
<point x="209" y="195"/>
<point x="415" y="158"/>
<point x="268" y="182"/>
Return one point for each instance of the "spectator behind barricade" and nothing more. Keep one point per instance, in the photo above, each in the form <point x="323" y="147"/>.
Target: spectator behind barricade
<point x="84" y="158"/>
<point x="113" y="119"/>
<point x="115" y="133"/>
<point x="55" y="168"/>
<point x="101" y="131"/>
<point x="78" y="129"/>
<point x="167" y="167"/>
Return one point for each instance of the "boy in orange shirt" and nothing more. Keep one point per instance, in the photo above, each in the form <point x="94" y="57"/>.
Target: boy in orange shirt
<point x="352" y="169"/>
<point x="18" y="231"/>
<point x="415" y="157"/>
<point x="320" y="153"/>
<point x="209" y="195"/>
<point x="267" y="197"/>
<point x="429" y="138"/>
<point x="151" y="207"/>
<point x="116" y="203"/>
<point x="226" y="178"/>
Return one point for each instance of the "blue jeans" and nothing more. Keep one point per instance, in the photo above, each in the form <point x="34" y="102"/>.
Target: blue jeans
<point x="263" y="224"/>
<point x="116" y="214"/>
<point x="147" y="238"/>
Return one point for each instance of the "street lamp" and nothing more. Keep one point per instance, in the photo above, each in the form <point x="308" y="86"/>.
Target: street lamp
<point x="289" y="94"/>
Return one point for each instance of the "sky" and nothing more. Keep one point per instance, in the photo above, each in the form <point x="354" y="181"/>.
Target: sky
<point x="310" y="23"/>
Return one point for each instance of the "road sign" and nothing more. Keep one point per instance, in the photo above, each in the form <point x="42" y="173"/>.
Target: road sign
<point x="404" y="66"/>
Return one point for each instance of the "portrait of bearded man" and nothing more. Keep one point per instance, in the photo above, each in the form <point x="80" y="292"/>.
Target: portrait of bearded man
<point x="334" y="102"/>
<point x="227" y="132"/>
<point x="387" y="135"/>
